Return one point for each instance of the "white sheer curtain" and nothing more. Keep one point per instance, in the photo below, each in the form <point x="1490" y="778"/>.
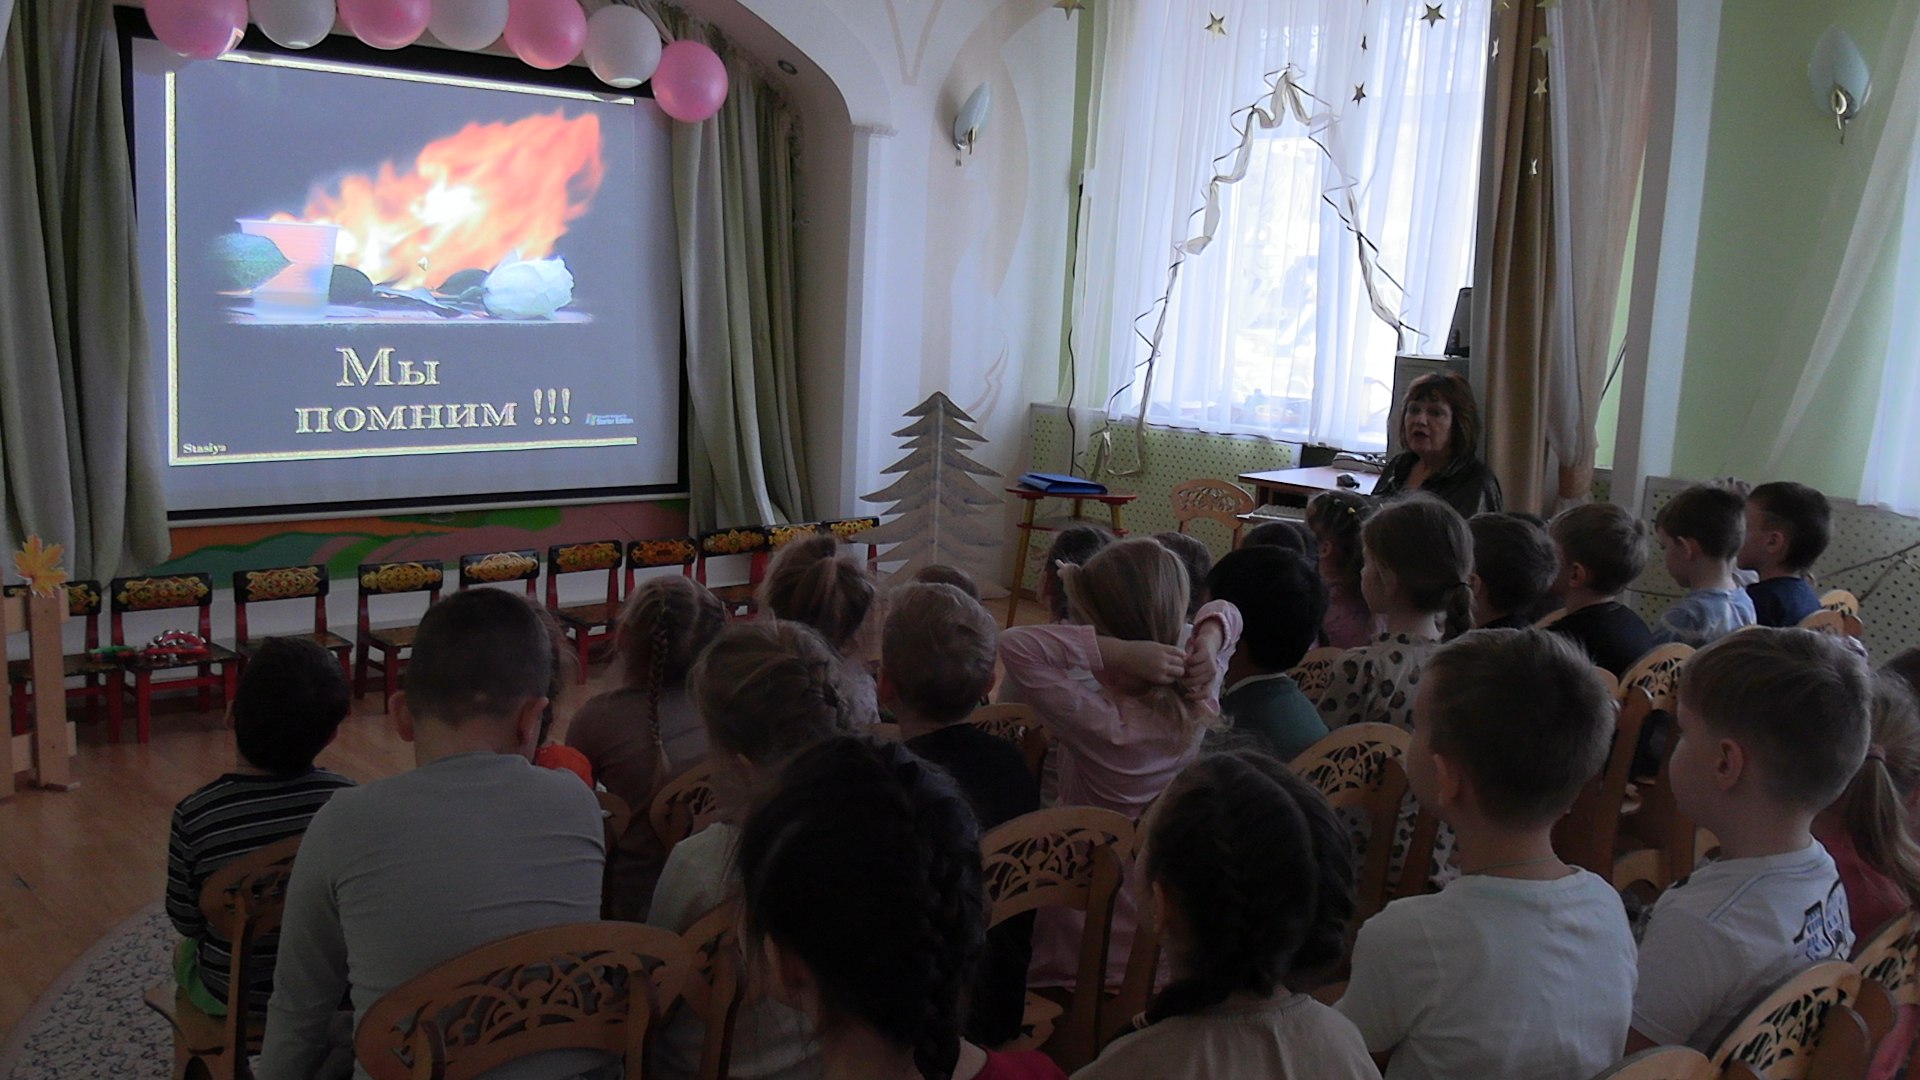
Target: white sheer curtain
<point x="1272" y="329"/>
<point x="1893" y="466"/>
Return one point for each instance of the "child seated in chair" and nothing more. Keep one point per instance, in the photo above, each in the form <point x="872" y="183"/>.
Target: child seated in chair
<point x="1602" y="550"/>
<point x="1701" y="530"/>
<point x="1282" y="604"/>
<point x="766" y="690"/>
<point x="936" y="660"/>
<point x="811" y="582"/>
<point x="288" y="708"/>
<point x="1773" y="725"/>
<point x="1523" y="965"/>
<point x="1788" y="526"/>
<point x="1513" y="570"/>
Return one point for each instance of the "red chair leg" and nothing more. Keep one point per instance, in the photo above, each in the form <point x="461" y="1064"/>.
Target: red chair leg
<point x="229" y="682"/>
<point x="143" y="706"/>
<point x="360" y="652"/>
<point x="346" y="664"/>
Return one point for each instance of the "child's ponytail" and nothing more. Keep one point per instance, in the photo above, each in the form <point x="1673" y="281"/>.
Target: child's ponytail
<point x="810" y="583"/>
<point x="1876" y="806"/>
<point x="666" y="623"/>
<point x="1428" y="548"/>
<point x="1335" y="518"/>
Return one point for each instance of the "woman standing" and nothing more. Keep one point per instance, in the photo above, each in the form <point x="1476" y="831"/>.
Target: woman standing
<point x="1440" y="428"/>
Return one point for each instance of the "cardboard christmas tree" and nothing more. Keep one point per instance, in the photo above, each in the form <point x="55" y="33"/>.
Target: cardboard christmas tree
<point x="938" y="506"/>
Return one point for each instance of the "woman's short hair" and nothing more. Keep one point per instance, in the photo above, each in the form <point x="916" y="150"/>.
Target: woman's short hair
<point x="1452" y="391"/>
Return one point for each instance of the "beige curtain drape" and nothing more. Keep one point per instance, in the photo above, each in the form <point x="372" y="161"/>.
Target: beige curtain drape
<point x="1513" y="352"/>
<point x="1600" y="117"/>
<point x="733" y="184"/>
<point x="79" y="449"/>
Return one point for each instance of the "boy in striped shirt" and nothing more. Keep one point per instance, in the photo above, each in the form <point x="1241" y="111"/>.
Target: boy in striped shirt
<point x="288" y="708"/>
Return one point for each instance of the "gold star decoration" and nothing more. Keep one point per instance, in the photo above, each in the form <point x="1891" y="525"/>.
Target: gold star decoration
<point x="1070" y="6"/>
<point x="1540" y="87"/>
<point x="1543" y="42"/>
<point x="1216" y="24"/>
<point x="1432" y="16"/>
<point x="1360" y="93"/>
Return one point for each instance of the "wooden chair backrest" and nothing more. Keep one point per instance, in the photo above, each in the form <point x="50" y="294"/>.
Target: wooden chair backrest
<point x="680" y="551"/>
<point x="1892" y="958"/>
<point x="684" y="806"/>
<point x="1347" y="765"/>
<point x="1071" y="858"/>
<point x="245" y="900"/>
<point x="499" y="567"/>
<point x="1670" y="841"/>
<point x="589" y="986"/>
<point x="1840" y="600"/>
<point x="615" y="818"/>
<point x="1019" y="725"/>
<point x="1550" y="618"/>
<point x="849" y="531"/>
<point x="1585" y="836"/>
<point x="1658" y="673"/>
<point x="1208" y="499"/>
<point x="280" y="583"/>
<point x="1662" y="1063"/>
<point x="160" y="592"/>
<point x="1778" y="1037"/>
<point x="606" y="556"/>
<point x="1379" y="806"/>
<point x="779" y="536"/>
<point x="84" y="601"/>
<point x="1314" y="673"/>
<point x="1840" y="623"/>
<point x="716" y="987"/>
<point x="1141" y="979"/>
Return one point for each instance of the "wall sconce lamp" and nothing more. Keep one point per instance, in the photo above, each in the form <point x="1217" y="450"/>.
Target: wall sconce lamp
<point x="972" y="118"/>
<point x="1839" y="78"/>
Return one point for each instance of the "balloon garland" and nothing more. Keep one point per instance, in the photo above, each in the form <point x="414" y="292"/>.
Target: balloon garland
<point x="620" y="43"/>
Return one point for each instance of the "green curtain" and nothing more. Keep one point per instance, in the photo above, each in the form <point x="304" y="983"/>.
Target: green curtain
<point x="79" y="451"/>
<point x="733" y="182"/>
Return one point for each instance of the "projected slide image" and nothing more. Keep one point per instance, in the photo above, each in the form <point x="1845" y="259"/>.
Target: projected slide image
<point x="474" y="225"/>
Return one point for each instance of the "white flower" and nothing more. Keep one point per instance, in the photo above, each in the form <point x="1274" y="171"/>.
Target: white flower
<point x="528" y="290"/>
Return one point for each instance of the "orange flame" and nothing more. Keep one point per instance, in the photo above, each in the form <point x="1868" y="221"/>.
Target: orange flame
<point x="469" y="200"/>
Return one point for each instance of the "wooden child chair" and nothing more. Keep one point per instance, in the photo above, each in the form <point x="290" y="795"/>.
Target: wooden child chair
<point x="390" y="642"/>
<point x="502" y="568"/>
<point x="587" y="624"/>
<point x="850" y="530"/>
<point x="1663" y="1063"/>
<point x="1019" y="725"/>
<point x="95" y="672"/>
<point x="1219" y="501"/>
<point x="287" y="583"/>
<point x="1314" y="673"/>
<point x="655" y="554"/>
<point x="716" y="986"/>
<point x="753" y="542"/>
<point x="214" y="665"/>
<point x="684" y="806"/>
<point x="1806" y="1028"/>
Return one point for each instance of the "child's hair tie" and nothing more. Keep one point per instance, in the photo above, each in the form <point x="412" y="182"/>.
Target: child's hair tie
<point x="1878" y="753"/>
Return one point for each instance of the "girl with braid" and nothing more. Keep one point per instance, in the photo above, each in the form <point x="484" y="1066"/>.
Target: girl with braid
<point x="862" y="892"/>
<point x="645" y="733"/>
<point x="810" y="582"/>
<point x="767" y="690"/>
<point x="1251" y="879"/>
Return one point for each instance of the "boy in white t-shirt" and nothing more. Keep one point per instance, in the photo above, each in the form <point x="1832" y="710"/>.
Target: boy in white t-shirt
<point x="1523" y="965"/>
<point x="1773" y="725"/>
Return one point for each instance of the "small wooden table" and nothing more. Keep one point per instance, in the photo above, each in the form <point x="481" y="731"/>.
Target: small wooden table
<point x="44" y="750"/>
<point x="1296" y="486"/>
<point x="1113" y="500"/>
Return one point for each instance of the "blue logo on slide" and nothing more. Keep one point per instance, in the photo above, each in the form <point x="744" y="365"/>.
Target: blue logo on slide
<point x="601" y="419"/>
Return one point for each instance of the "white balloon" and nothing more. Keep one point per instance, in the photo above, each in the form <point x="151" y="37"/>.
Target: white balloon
<point x="623" y="46"/>
<point x="468" y="24"/>
<point x="294" y="24"/>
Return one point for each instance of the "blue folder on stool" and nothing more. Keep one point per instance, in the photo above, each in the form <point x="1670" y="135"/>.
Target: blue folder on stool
<point x="1062" y="484"/>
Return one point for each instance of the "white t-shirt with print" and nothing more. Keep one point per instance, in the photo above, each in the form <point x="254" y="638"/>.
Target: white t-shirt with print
<point x="1728" y="935"/>
<point x="1496" y="977"/>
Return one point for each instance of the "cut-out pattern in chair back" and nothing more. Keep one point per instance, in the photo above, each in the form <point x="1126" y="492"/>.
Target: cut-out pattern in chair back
<point x="1010" y="721"/>
<point x="83" y="597"/>
<point x="252" y="887"/>
<point x="562" y="988"/>
<point x="1840" y="600"/>
<point x="662" y="551"/>
<point x="1050" y="858"/>
<point x="685" y="806"/>
<point x="592" y="555"/>
<point x="1658" y="673"/>
<point x="493" y="567"/>
<point x="1347" y="764"/>
<point x="1662" y="1063"/>
<point x="1838" y="623"/>
<point x="163" y="592"/>
<point x="1779" y="1036"/>
<point x="1206" y="497"/>
<point x="279" y="583"/>
<point x="1892" y="959"/>
<point x="401" y="577"/>
<point x="1314" y="673"/>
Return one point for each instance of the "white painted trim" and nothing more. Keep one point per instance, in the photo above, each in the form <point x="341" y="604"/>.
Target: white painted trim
<point x="1672" y="192"/>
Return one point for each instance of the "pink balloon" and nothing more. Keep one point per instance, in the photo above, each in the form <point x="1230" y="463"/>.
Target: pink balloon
<point x="386" y="24"/>
<point x="198" y="29"/>
<point x="546" y="33"/>
<point x="691" y="82"/>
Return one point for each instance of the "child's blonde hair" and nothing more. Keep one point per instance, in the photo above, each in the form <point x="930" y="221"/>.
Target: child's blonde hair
<point x="810" y="583"/>
<point x="770" y="688"/>
<point x="1876" y="805"/>
<point x="1136" y="590"/>
<point x="665" y="624"/>
<point x="938" y="650"/>
<point x="1428" y="548"/>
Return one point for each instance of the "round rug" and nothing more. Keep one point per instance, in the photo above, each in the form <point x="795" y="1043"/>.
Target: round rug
<point x="91" y="1021"/>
